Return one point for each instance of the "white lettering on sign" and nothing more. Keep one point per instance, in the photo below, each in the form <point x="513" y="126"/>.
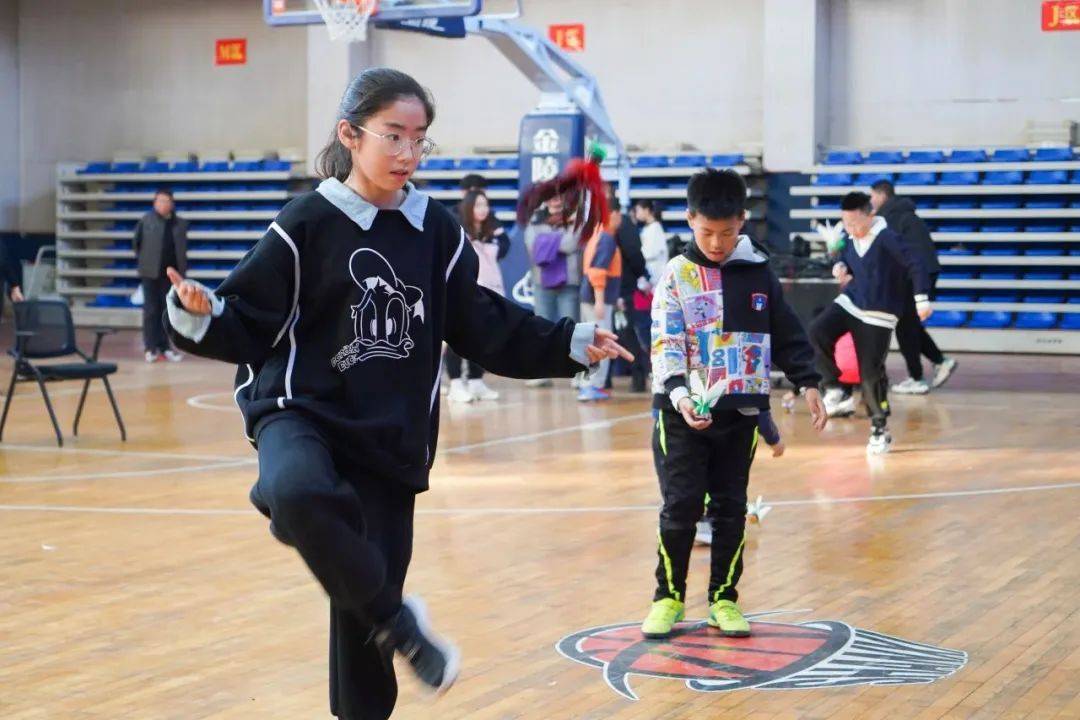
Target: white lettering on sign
<point x="544" y="168"/>
<point x="546" y="142"/>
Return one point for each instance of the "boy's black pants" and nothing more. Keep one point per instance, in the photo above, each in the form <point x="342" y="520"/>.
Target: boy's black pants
<point x="354" y="532"/>
<point x="690" y="464"/>
<point x="871" y="349"/>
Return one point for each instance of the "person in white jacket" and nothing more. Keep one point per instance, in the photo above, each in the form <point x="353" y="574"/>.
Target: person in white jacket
<point x="653" y="243"/>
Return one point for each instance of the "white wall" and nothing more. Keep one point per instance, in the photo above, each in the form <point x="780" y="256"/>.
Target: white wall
<point x="9" y="116"/>
<point x="113" y="75"/>
<point x="943" y="72"/>
<point x="671" y="72"/>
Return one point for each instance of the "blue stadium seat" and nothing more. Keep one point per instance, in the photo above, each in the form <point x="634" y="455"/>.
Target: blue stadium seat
<point x="948" y="297"/>
<point x="871" y="178"/>
<point x="956" y="275"/>
<point x="1043" y="299"/>
<point x="833" y="179"/>
<point x="685" y="161"/>
<point x="1000" y="250"/>
<point x="947" y="318"/>
<point x="97" y="168"/>
<point x="1048" y="177"/>
<point x="726" y="160"/>
<point x="1070" y="321"/>
<point x="1045" y="251"/>
<point x="828" y="203"/>
<point x="1053" y="154"/>
<point x="124" y="167"/>
<point x="1075" y="204"/>
<point x="438" y="163"/>
<point x="1008" y="177"/>
<point x="1001" y="228"/>
<point x="843" y="157"/>
<point x="474" y="163"/>
<point x="925" y="204"/>
<point x="153" y="166"/>
<point x="1074" y="178"/>
<point x="1011" y="155"/>
<point x="956" y="204"/>
<point x="1043" y="275"/>
<point x="918" y="178"/>
<point x="1046" y="226"/>
<point x="985" y="319"/>
<point x="999" y="204"/>
<point x="277" y="165"/>
<point x="966" y="156"/>
<point x="997" y="275"/>
<point x="1045" y="203"/>
<point x="505" y="163"/>
<point x="214" y="166"/>
<point x="1036" y="320"/>
<point x="249" y="166"/>
<point x="956" y="251"/>
<point x="921" y="157"/>
<point x="651" y="161"/>
<point x="650" y="184"/>
<point x="884" y="157"/>
<point x="957" y="228"/>
<point x="960" y="178"/>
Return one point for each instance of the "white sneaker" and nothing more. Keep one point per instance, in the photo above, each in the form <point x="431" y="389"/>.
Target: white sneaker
<point x="151" y="356"/>
<point x="880" y="442"/>
<point x="579" y="381"/>
<point x="538" y="383"/>
<point x="459" y="393"/>
<point x="838" y="404"/>
<point x="480" y="391"/>
<point x="173" y="356"/>
<point x="703" y="536"/>
<point x="944" y="371"/>
<point x="911" y="386"/>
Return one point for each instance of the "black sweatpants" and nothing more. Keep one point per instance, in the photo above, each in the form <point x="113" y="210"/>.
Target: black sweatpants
<point x="871" y="349"/>
<point x="453" y="366"/>
<point x="154" y="291"/>
<point x="354" y="532"/>
<point x="692" y="464"/>
<point x="914" y="341"/>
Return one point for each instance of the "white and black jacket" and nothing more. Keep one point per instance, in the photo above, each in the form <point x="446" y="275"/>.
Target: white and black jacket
<point x="340" y="311"/>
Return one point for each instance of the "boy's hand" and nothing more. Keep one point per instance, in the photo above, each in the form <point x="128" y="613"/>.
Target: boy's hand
<point x="192" y="297"/>
<point x="605" y="347"/>
<point x="778" y="449"/>
<point x="924" y="310"/>
<point x="818" y="417"/>
<point x="686" y="407"/>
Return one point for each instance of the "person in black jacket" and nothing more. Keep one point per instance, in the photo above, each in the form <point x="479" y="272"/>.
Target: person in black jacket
<point x="877" y="271"/>
<point x="160" y="242"/>
<point x="336" y="319"/>
<point x="9" y="278"/>
<point x="628" y="239"/>
<point x="914" y="340"/>
<point x="719" y="322"/>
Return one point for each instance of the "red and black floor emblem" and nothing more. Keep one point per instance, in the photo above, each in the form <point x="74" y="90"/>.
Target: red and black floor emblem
<point x="821" y="653"/>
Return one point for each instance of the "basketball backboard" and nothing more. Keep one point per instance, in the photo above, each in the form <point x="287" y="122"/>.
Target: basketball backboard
<point x="303" y="12"/>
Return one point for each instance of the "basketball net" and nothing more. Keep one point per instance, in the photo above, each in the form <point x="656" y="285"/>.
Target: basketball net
<point x="347" y="19"/>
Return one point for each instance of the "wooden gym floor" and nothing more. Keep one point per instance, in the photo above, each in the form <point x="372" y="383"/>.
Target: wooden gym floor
<point x="138" y="583"/>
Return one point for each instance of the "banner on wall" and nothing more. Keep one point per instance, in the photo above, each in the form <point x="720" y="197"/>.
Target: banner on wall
<point x="230" y="51"/>
<point x="1060" y="15"/>
<point x="569" y="37"/>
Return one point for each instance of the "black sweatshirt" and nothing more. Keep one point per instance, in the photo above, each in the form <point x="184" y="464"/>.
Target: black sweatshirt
<point x="345" y="325"/>
<point x="726" y="324"/>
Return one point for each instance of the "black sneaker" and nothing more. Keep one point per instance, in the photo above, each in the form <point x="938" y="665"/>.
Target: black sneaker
<point x="434" y="660"/>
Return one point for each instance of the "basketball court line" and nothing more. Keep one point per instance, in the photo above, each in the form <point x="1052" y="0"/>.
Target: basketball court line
<point x="553" y="510"/>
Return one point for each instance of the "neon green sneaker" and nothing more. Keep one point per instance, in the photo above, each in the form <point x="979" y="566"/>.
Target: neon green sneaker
<point x="726" y="616"/>
<point x="662" y="617"/>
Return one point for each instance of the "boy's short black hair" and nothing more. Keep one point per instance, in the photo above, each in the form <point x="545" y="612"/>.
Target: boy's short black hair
<point x="884" y="187"/>
<point x="647" y="205"/>
<point x="717" y="194"/>
<point x="857" y="201"/>
<point x="163" y="191"/>
<point x="473" y="181"/>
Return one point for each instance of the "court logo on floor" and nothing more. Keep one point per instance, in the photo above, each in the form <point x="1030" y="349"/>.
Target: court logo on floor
<point x="817" y="654"/>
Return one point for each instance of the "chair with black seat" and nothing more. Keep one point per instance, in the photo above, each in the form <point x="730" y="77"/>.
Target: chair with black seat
<point x="44" y="330"/>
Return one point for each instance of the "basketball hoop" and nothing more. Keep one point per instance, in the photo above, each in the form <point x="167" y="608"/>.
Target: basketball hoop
<point x="347" y="19"/>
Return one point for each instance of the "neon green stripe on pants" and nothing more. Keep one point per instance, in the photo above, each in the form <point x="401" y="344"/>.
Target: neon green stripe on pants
<point x="663" y="434"/>
<point x="731" y="569"/>
<point x="667" y="567"/>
